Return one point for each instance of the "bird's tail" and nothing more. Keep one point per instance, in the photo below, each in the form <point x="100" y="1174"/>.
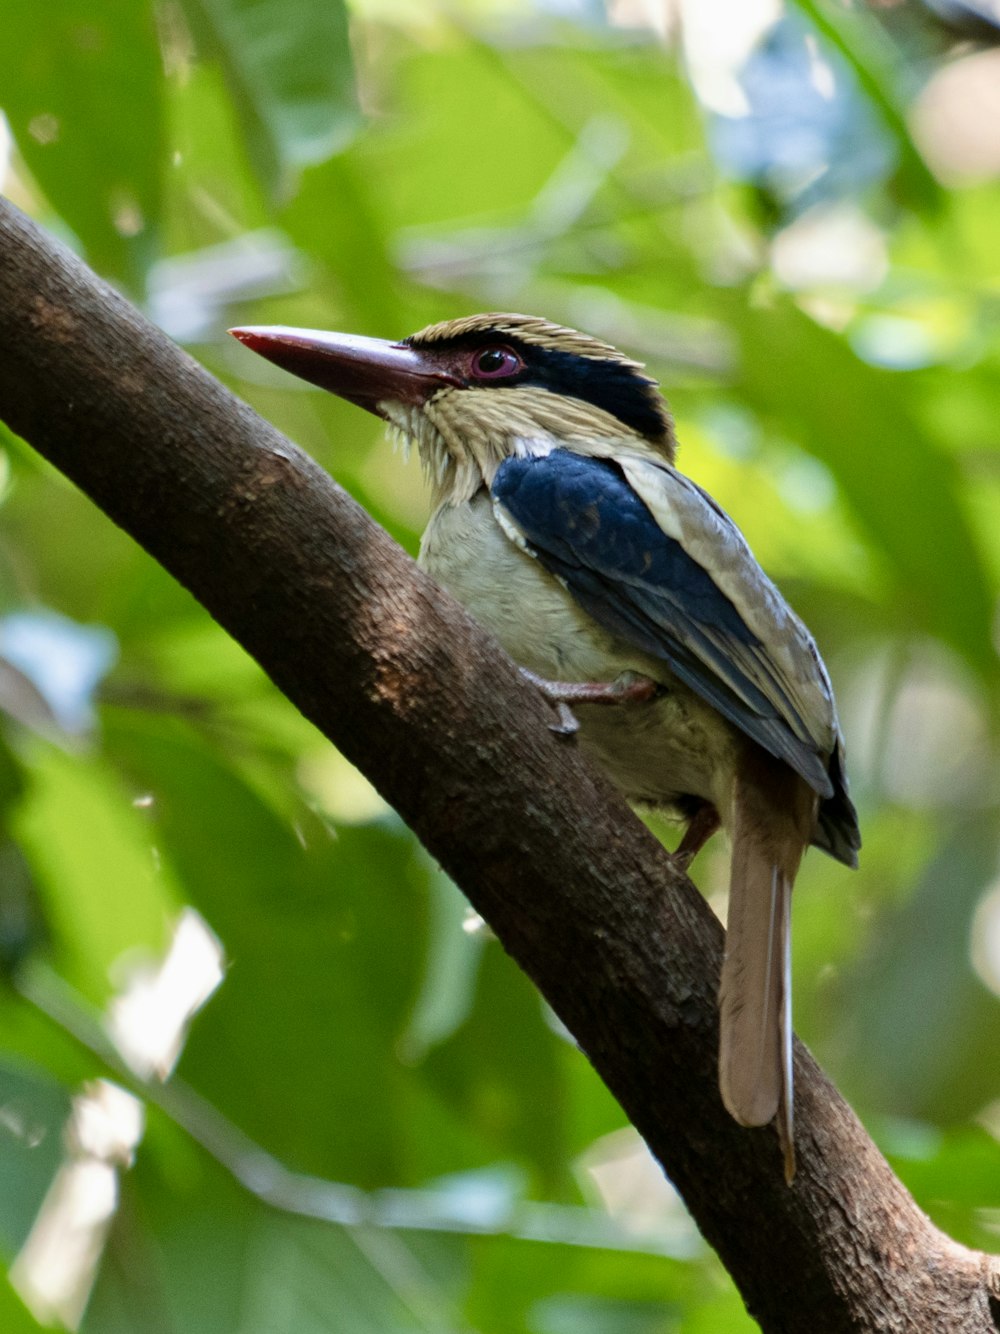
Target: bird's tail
<point x="773" y="814"/>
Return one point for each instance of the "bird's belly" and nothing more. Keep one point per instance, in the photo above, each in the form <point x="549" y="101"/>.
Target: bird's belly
<point x="672" y="747"/>
<point x="533" y="616"/>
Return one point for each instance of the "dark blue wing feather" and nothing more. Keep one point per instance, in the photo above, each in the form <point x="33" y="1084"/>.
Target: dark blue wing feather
<point x="583" y="521"/>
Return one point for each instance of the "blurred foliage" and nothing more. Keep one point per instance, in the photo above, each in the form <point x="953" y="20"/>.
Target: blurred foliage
<point x="374" y="1124"/>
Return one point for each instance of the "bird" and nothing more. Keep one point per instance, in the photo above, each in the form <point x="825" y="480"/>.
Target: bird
<point x="629" y="597"/>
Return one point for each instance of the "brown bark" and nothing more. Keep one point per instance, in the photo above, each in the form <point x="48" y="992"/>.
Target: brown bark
<point x="425" y="703"/>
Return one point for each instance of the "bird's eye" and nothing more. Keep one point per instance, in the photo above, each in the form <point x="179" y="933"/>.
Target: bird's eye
<point x="493" y="363"/>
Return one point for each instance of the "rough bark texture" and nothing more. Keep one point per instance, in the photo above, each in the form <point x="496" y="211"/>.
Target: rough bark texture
<point x="425" y="703"/>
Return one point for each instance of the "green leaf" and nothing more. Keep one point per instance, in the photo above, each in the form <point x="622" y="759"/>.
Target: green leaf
<point x="523" y="1287"/>
<point x="12" y="779"/>
<point x="14" y="1316"/>
<point x="226" y="1262"/>
<point x="33" y="1111"/>
<point x="93" y="861"/>
<point x="953" y="1176"/>
<point x="924" y="1027"/>
<point x="349" y="239"/>
<point x="501" y="1071"/>
<point x="289" y="72"/>
<point x="22" y="922"/>
<point x="574" y="1314"/>
<point x="83" y="93"/>
<point x="448" y="988"/>
<point x="807" y="383"/>
<point x="325" y="936"/>
<point x="867" y="50"/>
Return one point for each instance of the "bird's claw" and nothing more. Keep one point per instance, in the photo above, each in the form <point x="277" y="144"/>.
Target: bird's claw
<point x="568" y="725"/>
<point x="632" y="688"/>
<point x="627" y="688"/>
<point x="681" y="861"/>
<point x="701" y="826"/>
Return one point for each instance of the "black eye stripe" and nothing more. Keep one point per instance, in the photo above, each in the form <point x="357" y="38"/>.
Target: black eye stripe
<point x="615" y="387"/>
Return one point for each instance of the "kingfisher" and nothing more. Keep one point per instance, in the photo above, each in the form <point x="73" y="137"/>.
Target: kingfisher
<point x="628" y="596"/>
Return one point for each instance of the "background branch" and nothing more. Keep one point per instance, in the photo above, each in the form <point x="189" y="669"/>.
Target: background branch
<point x="425" y="704"/>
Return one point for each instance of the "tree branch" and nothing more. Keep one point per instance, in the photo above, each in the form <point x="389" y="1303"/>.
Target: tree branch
<point x="424" y="702"/>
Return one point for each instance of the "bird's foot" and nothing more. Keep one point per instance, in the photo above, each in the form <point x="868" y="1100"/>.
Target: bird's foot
<point x="700" y="829"/>
<point x="626" y="688"/>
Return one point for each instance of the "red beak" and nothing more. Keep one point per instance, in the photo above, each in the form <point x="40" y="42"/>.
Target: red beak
<point x="366" y="371"/>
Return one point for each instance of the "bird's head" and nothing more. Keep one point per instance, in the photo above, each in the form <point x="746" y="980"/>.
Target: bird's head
<point x="471" y="392"/>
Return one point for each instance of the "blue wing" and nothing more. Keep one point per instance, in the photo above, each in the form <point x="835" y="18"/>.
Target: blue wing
<point x="581" y="518"/>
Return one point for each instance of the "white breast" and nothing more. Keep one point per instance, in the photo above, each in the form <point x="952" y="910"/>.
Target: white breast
<point x="534" y="617"/>
<point x="654" y="752"/>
